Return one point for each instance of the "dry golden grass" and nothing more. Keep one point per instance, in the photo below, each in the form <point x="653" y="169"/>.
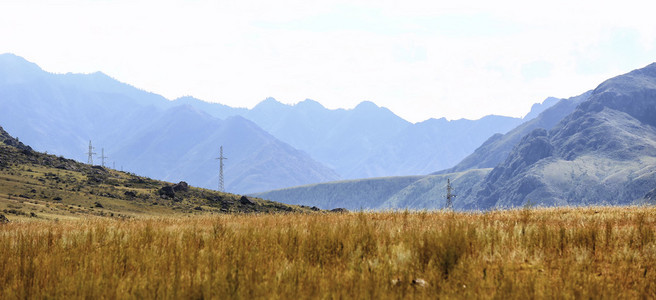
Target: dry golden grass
<point x="598" y="252"/>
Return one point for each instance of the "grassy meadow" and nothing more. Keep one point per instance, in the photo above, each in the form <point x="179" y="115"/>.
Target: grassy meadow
<point x="597" y="252"/>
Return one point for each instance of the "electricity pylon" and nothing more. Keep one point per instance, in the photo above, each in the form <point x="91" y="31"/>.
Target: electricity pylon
<point x="91" y="153"/>
<point x="102" y="157"/>
<point x="221" y="158"/>
<point x="449" y="195"/>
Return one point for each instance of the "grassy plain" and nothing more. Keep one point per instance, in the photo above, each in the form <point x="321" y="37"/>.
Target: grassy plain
<point x="565" y="253"/>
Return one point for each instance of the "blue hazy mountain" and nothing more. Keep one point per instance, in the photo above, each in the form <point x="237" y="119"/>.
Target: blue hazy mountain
<point x="143" y="132"/>
<point x="371" y="141"/>
<point x="602" y="153"/>
<point x="425" y="192"/>
<point x="60" y="113"/>
<point x="497" y="147"/>
<point x="598" y="148"/>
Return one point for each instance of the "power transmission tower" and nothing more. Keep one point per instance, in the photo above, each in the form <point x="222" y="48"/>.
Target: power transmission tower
<point x="91" y="153"/>
<point x="449" y="195"/>
<point x="102" y="157"/>
<point x="221" y="158"/>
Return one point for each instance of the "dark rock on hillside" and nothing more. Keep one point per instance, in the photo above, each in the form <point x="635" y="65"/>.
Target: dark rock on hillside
<point x="8" y="140"/>
<point x="167" y="191"/>
<point x="246" y="201"/>
<point x="181" y="187"/>
<point x="339" y="210"/>
<point x="3" y="219"/>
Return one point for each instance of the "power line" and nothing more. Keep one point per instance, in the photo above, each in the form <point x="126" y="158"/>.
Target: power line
<point x="221" y="158"/>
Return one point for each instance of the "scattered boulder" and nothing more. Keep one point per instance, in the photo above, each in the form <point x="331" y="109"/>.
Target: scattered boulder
<point x="3" y="219"/>
<point x="181" y="187"/>
<point x="167" y="191"/>
<point x="130" y="194"/>
<point x="339" y="210"/>
<point x="314" y="208"/>
<point x="198" y="208"/>
<point x="419" y="282"/>
<point x="247" y="201"/>
<point x="57" y="198"/>
<point x="98" y="205"/>
<point x="212" y="198"/>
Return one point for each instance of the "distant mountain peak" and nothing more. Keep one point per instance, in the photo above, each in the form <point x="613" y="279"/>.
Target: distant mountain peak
<point x="13" y="58"/>
<point x="538" y="108"/>
<point x="18" y="67"/>
<point x="267" y="103"/>
<point x="309" y="103"/>
<point x="366" y="105"/>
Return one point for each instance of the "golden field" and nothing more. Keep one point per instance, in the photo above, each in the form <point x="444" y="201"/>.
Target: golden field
<point x="564" y="253"/>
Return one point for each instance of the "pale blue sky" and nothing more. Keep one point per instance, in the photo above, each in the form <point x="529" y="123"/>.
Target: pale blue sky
<point x="421" y="59"/>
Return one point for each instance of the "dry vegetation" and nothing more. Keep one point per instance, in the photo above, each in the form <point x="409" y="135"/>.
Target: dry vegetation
<point x="35" y="185"/>
<point x="597" y="252"/>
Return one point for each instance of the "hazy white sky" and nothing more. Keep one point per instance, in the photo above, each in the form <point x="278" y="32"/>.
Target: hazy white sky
<point x="421" y="59"/>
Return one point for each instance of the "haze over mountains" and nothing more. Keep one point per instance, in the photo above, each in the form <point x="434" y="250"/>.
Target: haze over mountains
<point x="596" y="148"/>
<point x="143" y="132"/>
<point x="369" y="141"/>
<point x="270" y="146"/>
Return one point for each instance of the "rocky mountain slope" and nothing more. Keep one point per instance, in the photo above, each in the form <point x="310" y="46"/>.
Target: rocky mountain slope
<point x="597" y="148"/>
<point x="602" y="153"/>
<point x="497" y="147"/>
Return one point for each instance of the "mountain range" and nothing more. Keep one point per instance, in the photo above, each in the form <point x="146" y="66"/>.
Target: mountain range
<point x="370" y="141"/>
<point x="597" y="148"/>
<point x="271" y="146"/>
<point x="145" y="133"/>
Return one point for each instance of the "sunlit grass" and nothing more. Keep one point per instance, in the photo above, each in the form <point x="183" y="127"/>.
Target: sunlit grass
<point x="599" y="252"/>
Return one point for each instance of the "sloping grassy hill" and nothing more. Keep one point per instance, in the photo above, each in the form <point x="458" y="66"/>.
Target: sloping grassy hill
<point x="42" y="186"/>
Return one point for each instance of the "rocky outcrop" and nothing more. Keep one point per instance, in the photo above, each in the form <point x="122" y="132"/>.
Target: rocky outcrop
<point x="167" y="192"/>
<point x="602" y="153"/>
<point x="8" y="140"/>
<point x="181" y="187"/>
<point x="246" y="201"/>
<point x="497" y="148"/>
